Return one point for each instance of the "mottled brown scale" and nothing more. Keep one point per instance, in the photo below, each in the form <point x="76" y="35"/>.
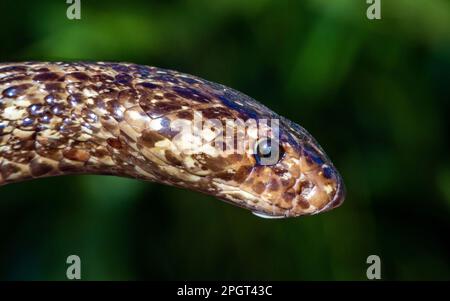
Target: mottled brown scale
<point x="16" y="90"/>
<point x="46" y="77"/>
<point x="303" y="186"/>
<point x="13" y="78"/>
<point x="150" y="138"/>
<point x="185" y="115"/>
<point x="41" y="70"/>
<point x="242" y="174"/>
<point x="127" y="96"/>
<point x="24" y="157"/>
<point x="102" y="78"/>
<point x="69" y="166"/>
<point x="172" y="158"/>
<point x="169" y="96"/>
<point x="226" y="176"/>
<point x="287" y="183"/>
<point x="7" y="169"/>
<point x="75" y="99"/>
<point x="53" y="154"/>
<point x="54" y="87"/>
<point x="258" y="187"/>
<point x="13" y="69"/>
<point x="303" y="203"/>
<point x="39" y="168"/>
<point x="115" y="110"/>
<point x="76" y="154"/>
<point x="115" y="119"/>
<point x="79" y="76"/>
<point x="215" y="164"/>
<point x="114" y="143"/>
<point x="289" y="195"/>
<point x="216" y="112"/>
<point x="160" y="108"/>
<point x="273" y="185"/>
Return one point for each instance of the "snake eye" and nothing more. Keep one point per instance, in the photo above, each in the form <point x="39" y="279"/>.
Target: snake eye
<point x="268" y="152"/>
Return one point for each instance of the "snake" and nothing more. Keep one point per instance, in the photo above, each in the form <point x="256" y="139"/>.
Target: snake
<point x="148" y="123"/>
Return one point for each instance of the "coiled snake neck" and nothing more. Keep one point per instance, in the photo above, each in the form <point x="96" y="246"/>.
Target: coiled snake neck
<point x="117" y="119"/>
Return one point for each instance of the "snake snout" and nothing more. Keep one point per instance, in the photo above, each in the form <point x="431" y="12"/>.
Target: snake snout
<point x="339" y="195"/>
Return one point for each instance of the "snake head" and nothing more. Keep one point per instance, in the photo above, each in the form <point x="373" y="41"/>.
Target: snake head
<point x="216" y="140"/>
<point x="275" y="172"/>
<point x="282" y="173"/>
<point x="301" y="181"/>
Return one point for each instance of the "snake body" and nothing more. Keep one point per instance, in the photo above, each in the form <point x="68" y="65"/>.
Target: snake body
<point x="115" y="119"/>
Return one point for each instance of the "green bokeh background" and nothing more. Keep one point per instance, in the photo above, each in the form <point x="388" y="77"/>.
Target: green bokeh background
<point x="375" y="94"/>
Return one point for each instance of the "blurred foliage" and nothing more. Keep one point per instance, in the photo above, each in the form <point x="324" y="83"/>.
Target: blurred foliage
<point x="374" y="93"/>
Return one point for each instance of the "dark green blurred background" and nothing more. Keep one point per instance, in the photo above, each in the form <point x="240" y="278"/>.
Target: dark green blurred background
<point x="375" y="94"/>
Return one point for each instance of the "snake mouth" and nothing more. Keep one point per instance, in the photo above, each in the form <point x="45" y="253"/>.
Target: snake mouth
<point x="244" y="200"/>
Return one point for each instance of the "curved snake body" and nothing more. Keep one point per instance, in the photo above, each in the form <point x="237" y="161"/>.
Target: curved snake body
<point x="115" y="118"/>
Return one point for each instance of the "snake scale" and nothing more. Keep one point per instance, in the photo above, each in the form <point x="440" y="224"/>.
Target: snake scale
<point x="116" y="119"/>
